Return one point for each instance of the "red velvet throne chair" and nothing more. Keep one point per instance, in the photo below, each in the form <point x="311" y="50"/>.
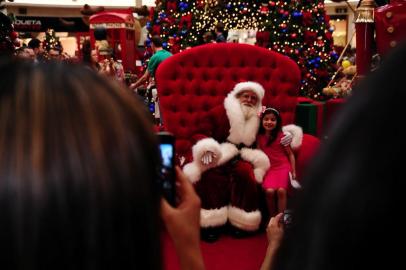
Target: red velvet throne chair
<point x="194" y="82"/>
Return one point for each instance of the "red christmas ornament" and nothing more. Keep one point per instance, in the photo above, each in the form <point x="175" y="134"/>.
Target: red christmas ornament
<point x="200" y="3"/>
<point x="281" y="11"/>
<point x="288" y="49"/>
<point x="307" y="18"/>
<point x="264" y="9"/>
<point x="13" y="35"/>
<point x="293" y="35"/>
<point x="171" y="5"/>
<point x="156" y="30"/>
<point x="286" y="13"/>
<point x="320" y="42"/>
<point x="329" y="36"/>
<point x="283" y="25"/>
<point x="175" y="48"/>
<point x="272" y="3"/>
<point x="310" y="37"/>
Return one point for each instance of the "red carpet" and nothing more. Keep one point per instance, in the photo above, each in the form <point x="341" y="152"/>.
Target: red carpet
<point x="226" y="253"/>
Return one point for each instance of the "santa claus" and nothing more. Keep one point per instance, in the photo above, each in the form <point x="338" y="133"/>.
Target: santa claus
<point x="227" y="168"/>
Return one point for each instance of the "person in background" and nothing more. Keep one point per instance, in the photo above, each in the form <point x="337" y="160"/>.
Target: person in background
<point x="276" y="180"/>
<point x="220" y="34"/>
<point x="90" y="57"/>
<point x="208" y="37"/>
<point x="348" y="213"/>
<point x="26" y="52"/>
<point x="36" y="45"/>
<point x="54" y="54"/>
<point x="159" y="55"/>
<point x="156" y="59"/>
<point x="78" y="170"/>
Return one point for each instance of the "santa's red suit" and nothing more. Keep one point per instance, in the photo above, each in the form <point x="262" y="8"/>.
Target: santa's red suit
<point x="228" y="186"/>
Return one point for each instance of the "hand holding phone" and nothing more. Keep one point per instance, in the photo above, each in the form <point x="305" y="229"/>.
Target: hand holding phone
<point x="167" y="181"/>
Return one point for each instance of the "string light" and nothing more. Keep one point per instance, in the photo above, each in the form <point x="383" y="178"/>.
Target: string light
<point x="298" y="29"/>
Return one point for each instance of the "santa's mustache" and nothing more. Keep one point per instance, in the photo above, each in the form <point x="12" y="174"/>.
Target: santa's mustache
<point x="247" y="104"/>
<point x="248" y="110"/>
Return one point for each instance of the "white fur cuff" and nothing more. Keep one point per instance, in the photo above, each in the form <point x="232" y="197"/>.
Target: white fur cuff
<point x="213" y="217"/>
<point x="192" y="171"/>
<point x="248" y="221"/>
<point x="297" y="134"/>
<point x="259" y="160"/>
<point x="202" y="146"/>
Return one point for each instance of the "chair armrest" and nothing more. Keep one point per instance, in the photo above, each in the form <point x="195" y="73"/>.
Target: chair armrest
<point x="305" y="153"/>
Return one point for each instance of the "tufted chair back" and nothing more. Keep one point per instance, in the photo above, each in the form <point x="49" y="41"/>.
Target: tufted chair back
<point x="195" y="81"/>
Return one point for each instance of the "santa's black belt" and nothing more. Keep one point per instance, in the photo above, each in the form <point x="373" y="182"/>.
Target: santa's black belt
<point x="241" y="145"/>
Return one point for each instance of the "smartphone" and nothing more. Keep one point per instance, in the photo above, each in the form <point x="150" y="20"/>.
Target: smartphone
<point x="286" y="218"/>
<point x="167" y="177"/>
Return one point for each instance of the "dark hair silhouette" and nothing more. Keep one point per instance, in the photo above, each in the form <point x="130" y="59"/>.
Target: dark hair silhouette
<point x="157" y="41"/>
<point x="87" y="52"/>
<point x="78" y="166"/>
<point x="277" y="128"/>
<point x="348" y="214"/>
<point x="34" y="43"/>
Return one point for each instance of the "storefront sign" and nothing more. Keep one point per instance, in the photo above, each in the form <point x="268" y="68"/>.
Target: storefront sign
<point x="27" y="25"/>
<point x="41" y="24"/>
<point x="111" y="25"/>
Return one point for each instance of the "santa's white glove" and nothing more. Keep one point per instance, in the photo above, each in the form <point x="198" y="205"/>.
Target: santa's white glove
<point x="208" y="157"/>
<point x="286" y="140"/>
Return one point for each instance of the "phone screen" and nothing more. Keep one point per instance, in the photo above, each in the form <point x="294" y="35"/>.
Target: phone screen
<point x="167" y="171"/>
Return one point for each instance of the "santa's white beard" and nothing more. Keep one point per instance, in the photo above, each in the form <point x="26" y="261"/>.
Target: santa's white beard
<point x="248" y="111"/>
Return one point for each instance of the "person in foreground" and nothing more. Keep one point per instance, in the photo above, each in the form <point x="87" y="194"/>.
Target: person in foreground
<point x="349" y="214"/>
<point x="274" y="233"/>
<point x="78" y="170"/>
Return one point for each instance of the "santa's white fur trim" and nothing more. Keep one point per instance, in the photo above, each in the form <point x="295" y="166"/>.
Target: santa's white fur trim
<point x="228" y="151"/>
<point x="213" y="217"/>
<point x="248" y="221"/>
<point x="253" y="86"/>
<point x="297" y="134"/>
<point x="259" y="160"/>
<point x="204" y="145"/>
<point x="241" y="130"/>
<point x="194" y="169"/>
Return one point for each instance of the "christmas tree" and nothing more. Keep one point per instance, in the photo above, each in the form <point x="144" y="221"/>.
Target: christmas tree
<point x="7" y="35"/>
<point x="172" y="20"/>
<point x="299" y="29"/>
<point x="51" y="41"/>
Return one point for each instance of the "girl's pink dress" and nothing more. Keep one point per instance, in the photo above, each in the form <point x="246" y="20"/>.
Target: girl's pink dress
<point x="278" y="175"/>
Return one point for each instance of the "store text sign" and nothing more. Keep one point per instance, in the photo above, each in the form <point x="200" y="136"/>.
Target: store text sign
<point x="27" y="25"/>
